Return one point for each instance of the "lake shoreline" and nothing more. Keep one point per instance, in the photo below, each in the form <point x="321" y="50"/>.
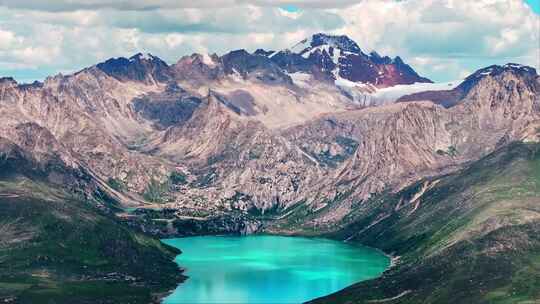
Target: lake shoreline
<point x="341" y="277"/>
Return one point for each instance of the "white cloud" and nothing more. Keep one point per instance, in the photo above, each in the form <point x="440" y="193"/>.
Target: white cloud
<point x="73" y="5"/>
<point x="174" y="40"/>
<point x="439" y="38"/>
<point x="7" y="38"/>
<point x="261" y="38"/>
<point x="34" y="56"/>
<point x="464" y="73"/>
<point x="441" y="31"/>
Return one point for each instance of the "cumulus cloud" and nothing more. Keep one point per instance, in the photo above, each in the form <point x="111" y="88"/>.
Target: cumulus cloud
<point x="442" y="39"/>
<point x="6" y="39"/>
<point x="244" y="19"/>
<point x="74" y="5"/>
<point x="142" y="5"/>
<point x="457" y="35"/>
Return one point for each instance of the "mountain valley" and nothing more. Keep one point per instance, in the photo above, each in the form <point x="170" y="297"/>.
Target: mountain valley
<point x="302" y="141"/>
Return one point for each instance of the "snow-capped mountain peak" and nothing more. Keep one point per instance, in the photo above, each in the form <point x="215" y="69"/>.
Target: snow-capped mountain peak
<point x="143" y="56"/>
<point x="340" y="58"/>
<point x="495" y="70"/>
<point x="341" y="42"/>
<point x="323" y="42"/>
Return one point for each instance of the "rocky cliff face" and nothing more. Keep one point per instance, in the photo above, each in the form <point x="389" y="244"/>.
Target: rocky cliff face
<point x="140" y="67"/>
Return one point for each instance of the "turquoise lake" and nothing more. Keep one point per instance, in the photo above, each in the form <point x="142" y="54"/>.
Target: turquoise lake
<point x="269" y="269"/>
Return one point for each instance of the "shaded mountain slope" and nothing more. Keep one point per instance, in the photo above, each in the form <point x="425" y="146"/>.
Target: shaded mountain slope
<point x="468" y="237"/>
<point x="60" y="243"/>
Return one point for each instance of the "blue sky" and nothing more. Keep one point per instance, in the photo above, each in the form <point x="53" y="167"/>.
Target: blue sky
<point x="290" y="8"/>
<point x="535" y="5"/>
<point x="442" y="39"/>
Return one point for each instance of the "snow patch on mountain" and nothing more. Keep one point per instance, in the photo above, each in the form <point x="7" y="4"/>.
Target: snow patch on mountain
<point x="142" y="56"/>
<point x="342" y="82"/>
<point x="146" y="56"/>
<point x="366" y="94"/>
<point x="397" y="91"/>
<point x="207" y="59"/>
<point x="516" y="66"/>
<point x="345" y="83"/>
<point x="301" y="46"/>
<point x="339" y="42"/>
<point x="300" y="79"/>
<point x="236" y="76"/>
<point x="497" y="69"/>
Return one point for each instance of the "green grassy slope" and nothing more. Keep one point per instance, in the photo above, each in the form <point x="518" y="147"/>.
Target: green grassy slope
<point x="471" y="237"/>
<point x="56" y="247"/>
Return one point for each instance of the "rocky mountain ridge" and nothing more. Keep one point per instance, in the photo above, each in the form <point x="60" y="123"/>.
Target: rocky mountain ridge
<point x="340" y="58"/>
<point x="336" y="60"/>
<point x="449" y="98"/>
<point x="134" y="122"/>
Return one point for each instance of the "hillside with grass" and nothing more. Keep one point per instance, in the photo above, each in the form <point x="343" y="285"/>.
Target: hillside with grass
<point x="60" y="245"/>
<point x="468" y="237"/>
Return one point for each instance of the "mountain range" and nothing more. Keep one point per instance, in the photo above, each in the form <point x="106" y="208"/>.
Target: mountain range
<point x="298" y="141"/>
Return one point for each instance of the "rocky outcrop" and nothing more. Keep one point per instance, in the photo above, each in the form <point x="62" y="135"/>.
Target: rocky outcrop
<point x="259" y="67"/>
<point x="198" y="69"/>
<point x="140" y="67"/>
<point x="173" y="106"/>
<point x="167" y="223"/>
